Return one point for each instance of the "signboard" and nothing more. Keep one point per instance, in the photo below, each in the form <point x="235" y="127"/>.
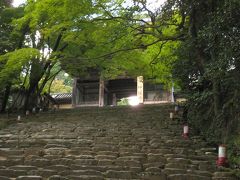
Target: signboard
<point x="140" y="89"/>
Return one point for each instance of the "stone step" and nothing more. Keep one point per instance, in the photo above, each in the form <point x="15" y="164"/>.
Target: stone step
<point x="11" y="162"/>
<point x="4" y="178"/>
<point x="219" y="175"/>
<point x="106" y="144"/>
<point x="85" y="177"/>
<point x="187" y="177"/>
<point x="153" y="176"/>
<point x="57" y="177"/>
<point x="29" y="178"/>
<point x="181" y="166"/>
<point x="45" y="173"/>
<point x="12" y="173"/>
<point x="23" y="167"/>
<point x="6" y="152"/>
<point x="120" y="174"/>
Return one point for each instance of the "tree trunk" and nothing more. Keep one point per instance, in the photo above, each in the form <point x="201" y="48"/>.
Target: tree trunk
<point x="5" y="99"/>
<point x="31" y="97"/>
<point x="74" y="93"/>
<point x="37" y="72"/>
<point x="216" y="97"/>
<point x="193" y="32"/>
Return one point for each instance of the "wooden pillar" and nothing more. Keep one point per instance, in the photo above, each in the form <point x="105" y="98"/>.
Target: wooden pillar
<point x="172" y="94"/>
<point x="74" y="93"/>
<point x="140" y="89"/>
<point x="114" y="99"/>
<point x="101" y="93"/>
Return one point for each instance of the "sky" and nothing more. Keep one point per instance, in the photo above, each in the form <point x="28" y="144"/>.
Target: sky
<point x="17" y="2"/>
<point x="153" y="3"/>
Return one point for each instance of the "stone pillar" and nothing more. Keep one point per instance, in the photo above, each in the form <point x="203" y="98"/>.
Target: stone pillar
<point x="101" y="93"/>
<point x="140" y="89"/>
<point x="74" y="93"/>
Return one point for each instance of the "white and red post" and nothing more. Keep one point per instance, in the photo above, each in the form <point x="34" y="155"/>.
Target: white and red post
<point x="222" y="158"/>
<point x="27" y="113"/>
<point x="185" y="131"/>
<point x="176" y="108"/>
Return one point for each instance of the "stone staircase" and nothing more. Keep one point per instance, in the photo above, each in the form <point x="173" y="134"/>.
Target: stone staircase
<point x="106" y="143"/>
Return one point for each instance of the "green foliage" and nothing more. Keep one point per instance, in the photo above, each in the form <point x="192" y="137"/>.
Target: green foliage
<point x="8" y="42"/>
<point x="234" y="150"/>
<point x="67" y="80"/>
<point x="12" y="64"/>
<point x="58" y="86"/>
<point x="102" y="36"/>
<point x="207" y="68"/>
<point x="123" y="102"/>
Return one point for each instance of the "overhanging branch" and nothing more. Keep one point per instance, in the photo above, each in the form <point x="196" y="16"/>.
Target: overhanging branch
<point x="144" y="46"/>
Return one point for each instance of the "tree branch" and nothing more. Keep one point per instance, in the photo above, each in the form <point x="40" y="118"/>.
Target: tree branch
<point x="54" y="74"/>
<point x="176" y="38"/>
<point x="159" y="52"/>
<point x="59" y="38"/>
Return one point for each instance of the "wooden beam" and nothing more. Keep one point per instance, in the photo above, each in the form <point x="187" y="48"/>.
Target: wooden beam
<point x="101" y="92"/>
<point x="140" y="89"/>
<point x="114" y="99"/>
<point x="106" y="89"/>
<point x="74" y="93"/>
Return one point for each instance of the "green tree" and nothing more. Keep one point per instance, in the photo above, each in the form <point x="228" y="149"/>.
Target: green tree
<point x="208" y="65"/>
<point x="123" y="41"/>
<point x="102" y="35"/>
<point x="58" y="86"/>
<point x="49" y="30"/>
<point x="8" y="42"/>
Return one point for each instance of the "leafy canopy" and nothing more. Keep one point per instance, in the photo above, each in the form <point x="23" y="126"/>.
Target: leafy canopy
<point x="12" y="64"/>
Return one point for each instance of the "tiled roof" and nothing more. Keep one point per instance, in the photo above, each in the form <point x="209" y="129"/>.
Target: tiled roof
<point x="62" y="98"/>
